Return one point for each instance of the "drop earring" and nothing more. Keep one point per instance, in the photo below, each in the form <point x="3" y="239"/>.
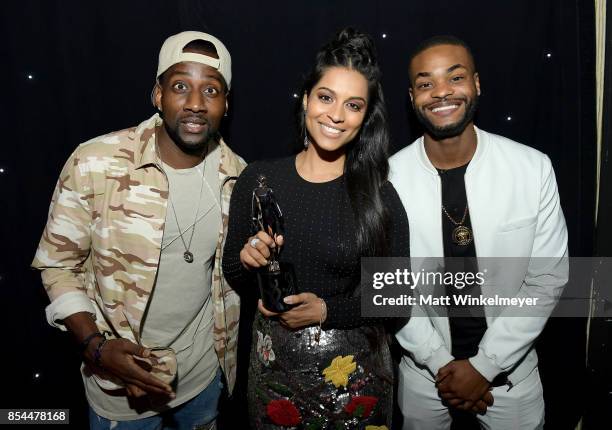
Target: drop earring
<point x="306" y="140"/>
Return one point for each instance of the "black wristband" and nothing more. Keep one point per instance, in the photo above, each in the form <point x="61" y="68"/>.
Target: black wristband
<point x="89" y="338"/>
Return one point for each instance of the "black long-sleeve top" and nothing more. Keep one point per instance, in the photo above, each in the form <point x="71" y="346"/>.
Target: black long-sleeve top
<point x="320" y="239"/>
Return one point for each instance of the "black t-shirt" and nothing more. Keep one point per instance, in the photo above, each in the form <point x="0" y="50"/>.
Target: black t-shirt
<point x="467" y="324"/>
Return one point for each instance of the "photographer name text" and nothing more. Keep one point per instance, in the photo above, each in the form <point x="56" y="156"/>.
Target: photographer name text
<point x="456" y="300"/>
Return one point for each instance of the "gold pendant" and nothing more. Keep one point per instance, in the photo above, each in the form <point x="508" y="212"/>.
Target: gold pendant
<point x="462" y="235"/>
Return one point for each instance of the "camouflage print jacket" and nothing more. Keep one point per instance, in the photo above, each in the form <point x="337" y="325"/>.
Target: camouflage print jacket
<point x="101" y="246"/>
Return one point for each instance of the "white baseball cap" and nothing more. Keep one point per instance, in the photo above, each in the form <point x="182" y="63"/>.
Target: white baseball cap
<point x="172" y="53"/>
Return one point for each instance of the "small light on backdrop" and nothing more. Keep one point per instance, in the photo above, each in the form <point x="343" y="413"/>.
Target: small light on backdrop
<point x="548" y="55"/>
<point x="1" y="170"/>
<point x="295" y="96"/>
<point x="36" y="375"/>
<point x="384" y="35"/>
<point x="508" y="118"/>
<point x="30" y="77"/>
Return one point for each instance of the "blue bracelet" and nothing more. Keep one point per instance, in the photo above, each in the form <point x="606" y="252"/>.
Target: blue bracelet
<point x="98" y="353"/>
<point x="88" y="339"/>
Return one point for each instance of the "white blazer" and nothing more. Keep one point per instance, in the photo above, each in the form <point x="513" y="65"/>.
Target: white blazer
<point x="515" y="212"/>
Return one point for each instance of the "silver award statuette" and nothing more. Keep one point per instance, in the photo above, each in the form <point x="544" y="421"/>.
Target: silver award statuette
<point x="276" y="280"/>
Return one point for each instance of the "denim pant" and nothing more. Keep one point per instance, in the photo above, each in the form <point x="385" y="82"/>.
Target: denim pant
<point x="198" y="413"/>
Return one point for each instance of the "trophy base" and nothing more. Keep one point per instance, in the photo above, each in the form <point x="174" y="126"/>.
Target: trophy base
<point x="276" y="285"/>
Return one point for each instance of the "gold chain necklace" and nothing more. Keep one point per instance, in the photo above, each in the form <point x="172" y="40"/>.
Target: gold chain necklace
<point x="461" y="234"/>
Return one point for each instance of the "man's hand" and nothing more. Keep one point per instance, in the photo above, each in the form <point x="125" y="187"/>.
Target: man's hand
<point x="309" y="310"/>
<point x="117" y="358"/>
<point x="462" y="386"/>
<point x="480" y="407"/>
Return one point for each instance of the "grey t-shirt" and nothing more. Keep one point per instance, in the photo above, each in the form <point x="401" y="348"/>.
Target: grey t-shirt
<point x="180" y="311"/>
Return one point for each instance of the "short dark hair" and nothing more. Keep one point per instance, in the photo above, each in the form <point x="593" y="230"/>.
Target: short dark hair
<point x="202" y="47"/>
<point x="437" y="41"/>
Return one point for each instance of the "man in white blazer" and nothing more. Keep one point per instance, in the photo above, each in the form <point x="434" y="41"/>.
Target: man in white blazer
<point x="469" y="193"/>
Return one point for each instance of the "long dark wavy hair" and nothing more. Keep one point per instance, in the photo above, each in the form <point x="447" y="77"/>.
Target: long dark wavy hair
<point x="366" y="166"/>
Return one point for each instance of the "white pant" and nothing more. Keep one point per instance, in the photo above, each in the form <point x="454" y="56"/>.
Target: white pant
<point x="521" y="408"/>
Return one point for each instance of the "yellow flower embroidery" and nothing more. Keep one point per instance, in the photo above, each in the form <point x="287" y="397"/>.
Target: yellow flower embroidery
<point x="377" y="428"/>
<point x="339" y="370"/>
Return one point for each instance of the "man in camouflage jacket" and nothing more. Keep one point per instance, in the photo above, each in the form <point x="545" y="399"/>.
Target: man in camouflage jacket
<point x="101" y="247"/>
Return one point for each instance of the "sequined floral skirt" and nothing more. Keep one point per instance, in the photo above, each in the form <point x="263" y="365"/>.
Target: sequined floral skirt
<point x="344" y="381"/>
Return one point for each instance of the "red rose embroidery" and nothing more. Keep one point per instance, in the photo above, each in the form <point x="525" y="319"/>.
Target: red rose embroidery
<point x="283" y="413"/>
<point x="361" y="406"/>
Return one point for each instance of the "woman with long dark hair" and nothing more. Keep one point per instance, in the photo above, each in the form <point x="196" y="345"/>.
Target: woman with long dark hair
<point x="320" y="364"/>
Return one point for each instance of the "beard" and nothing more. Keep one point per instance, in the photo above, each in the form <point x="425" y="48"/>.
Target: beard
<point x="450" y="130"/>
<point x="191" y="147"/>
